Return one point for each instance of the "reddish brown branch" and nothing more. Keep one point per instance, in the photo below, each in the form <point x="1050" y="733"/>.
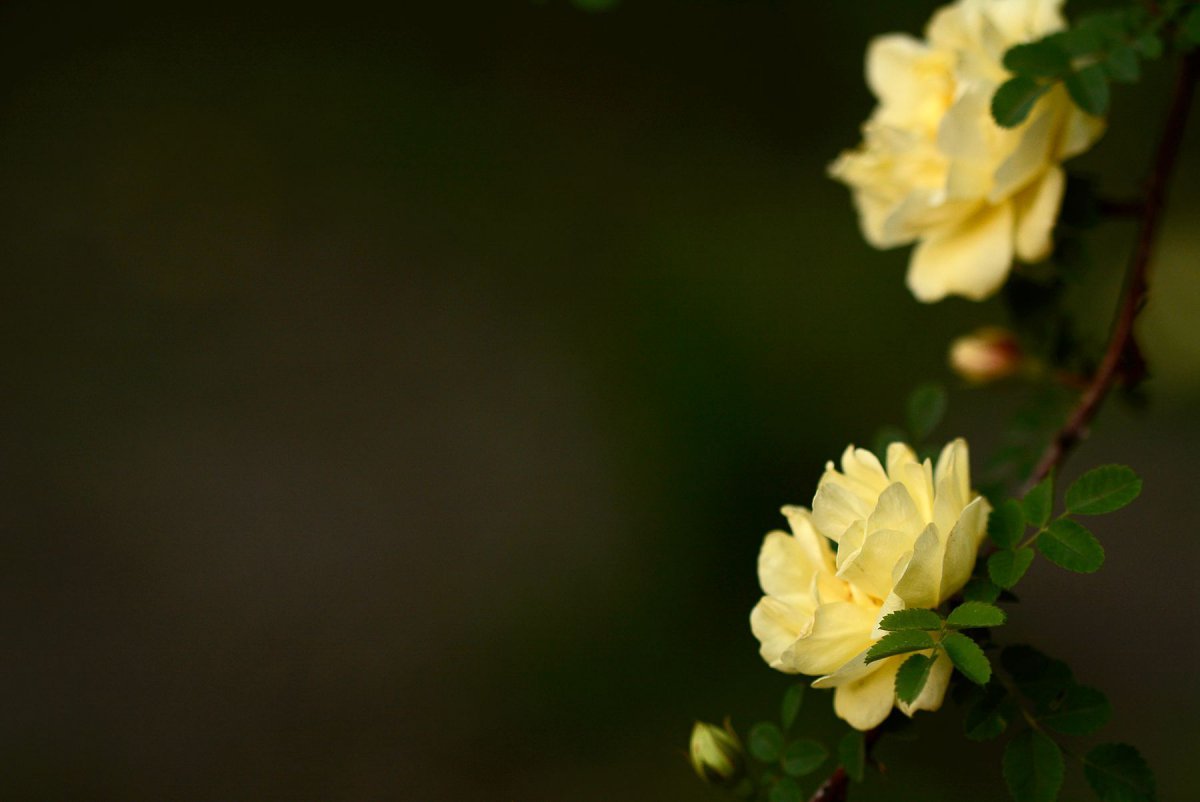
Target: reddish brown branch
<point x="1121" y="357"/>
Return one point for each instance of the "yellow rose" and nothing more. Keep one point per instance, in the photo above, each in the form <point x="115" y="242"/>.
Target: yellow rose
<point x="934" y="168"/>
<point x="907" y="536"/>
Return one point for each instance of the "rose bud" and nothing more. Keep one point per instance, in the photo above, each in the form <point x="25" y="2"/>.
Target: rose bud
<point x="716" y="754"/>
<point x="986" y="355"/>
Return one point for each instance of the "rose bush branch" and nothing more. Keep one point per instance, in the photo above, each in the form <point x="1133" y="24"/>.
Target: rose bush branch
<point x="1121" y="342"/>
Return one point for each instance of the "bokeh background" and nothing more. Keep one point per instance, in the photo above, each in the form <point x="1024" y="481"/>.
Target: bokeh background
<point x="394" y="400"/>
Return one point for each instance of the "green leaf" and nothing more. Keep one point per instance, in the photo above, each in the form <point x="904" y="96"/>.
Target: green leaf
<point x="1081" y="712"/>
<point x="1006" y="524"/>
<point x="981" y="589"/>
<point x="792" y="699"/>
<point x="1007" y="567"/>
<point x="898" y="643"/>
<point x="1122" y="64"/>
<point x="1118" y="773"/>
<point x="765" y="741"/>
<point x="1039" y="502"/>
<point x="968" y="657"/>
<point x="804" y="757"/>
<point x="1015" y="99"/>
<point x="926" y="406"/>
<point x="1089" y="89"/>
<point x="1071" y="546"/>
<point x="1044" y="58"/>
<point x="1033" y="767"/>
<point x="989" y="715"/>
<point x="785" y="790"/>
<point x="1104" y="489"/>
<point x="915" y="618"/>
<point x="911" y="678"/>
<point x="1043" y="679"/>
<point x="852" y="754"/>
<point x="974" y="614"/>
<point x="1149" y="45"/>
<point x="1190" y="29"/>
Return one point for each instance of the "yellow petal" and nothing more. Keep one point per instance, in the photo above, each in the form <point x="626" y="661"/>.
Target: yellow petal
<point x="922" y="577"/>
<point x="1080" y="132"/>
<point x="971" y="260"/>
<point x="896" y="510"/>
<point x="1031" y="156"/>
<point x="777" y="627"/>
<point x="840" y="631"/>
<point x="815" y="545"/>
<point x="786" y="570"/>
<point x="870" y="567"/>
<point x="962" y="545"/>
<point x="836" y="507"/>
<point x="865" y="702"/>
<point x="1037" y="212"/>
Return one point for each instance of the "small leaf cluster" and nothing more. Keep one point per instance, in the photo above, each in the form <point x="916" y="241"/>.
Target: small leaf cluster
<point x="786" y="759"/>
<point x="1041" y="692"/>
<point x="1063" y="540"/>
<point x="1099" y="49"/>
<point x="927" y="634"/>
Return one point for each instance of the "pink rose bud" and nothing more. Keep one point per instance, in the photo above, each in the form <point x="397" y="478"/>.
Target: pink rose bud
<point x="986" y="354"/>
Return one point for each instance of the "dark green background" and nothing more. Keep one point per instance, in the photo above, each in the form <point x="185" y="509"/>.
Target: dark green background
<point x="394" y="400"/>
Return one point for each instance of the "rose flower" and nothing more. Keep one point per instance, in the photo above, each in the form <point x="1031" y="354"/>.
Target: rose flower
<point x="907" y="536"/>
<point x="934" y="167"/>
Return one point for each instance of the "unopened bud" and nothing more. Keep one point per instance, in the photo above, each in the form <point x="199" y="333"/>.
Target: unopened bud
<point x="716" y="754"/>
<point x="986" y="354"/>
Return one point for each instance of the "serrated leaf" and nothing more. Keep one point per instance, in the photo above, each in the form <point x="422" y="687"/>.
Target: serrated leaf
<point x="804" y="757"/>
<point x="1089" y="89"/>
<point x="1118" y="773"/>
<point x="1006" y="524"/>
<point x="765" y="742"/>
<point x="1071" y="546"/>
<point x="1042" y="679"/>
<point x="981" y="589"/>
<point x="912" y="676"/>
<point x="1007" y="567"/>
<point x="1014" y="100"/>
<point x="852" y="754"/>
<point x="1081" y="711"/>
<point x="1033" y="767"/>
<point x="1122" y="64"/>
<point x="916" y="618"/>
<point x="1039" y="502"/>
<point x="975" y="614"/>
<point x="792" y="699"/>
<point x="1044" y="58"/>
<point x="1104" y="489"/>
<point x="785" y="789"/>
<point x="968" y="657"/>
<point x="926" y="406"/>
<point x="989" y="715"/>
<point x="895" y="643"/>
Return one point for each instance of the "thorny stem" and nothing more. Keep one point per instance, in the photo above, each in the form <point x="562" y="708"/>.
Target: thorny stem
<point x="1121" y="349"/>
<point x="1121" y="354"/>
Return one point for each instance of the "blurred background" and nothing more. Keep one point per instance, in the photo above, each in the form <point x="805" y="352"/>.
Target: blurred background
<point x="394" y="400"/>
